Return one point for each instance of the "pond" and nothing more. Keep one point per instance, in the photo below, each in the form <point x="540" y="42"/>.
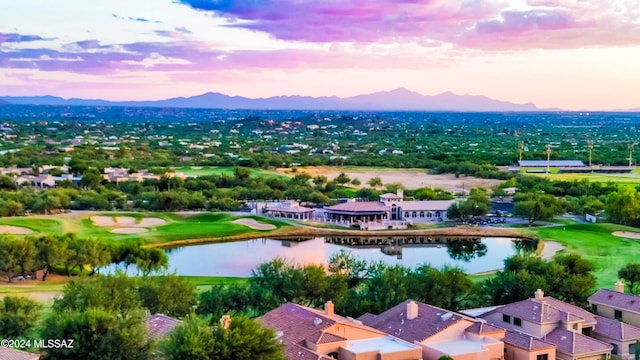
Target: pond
<point x="239" y="258"/>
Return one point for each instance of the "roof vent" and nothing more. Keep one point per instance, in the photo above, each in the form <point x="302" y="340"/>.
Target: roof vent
<point x="446" y="316"/>
<point x="563" y="338"/>
<point x="317" y="321"/>
<point x="279" y="334"/>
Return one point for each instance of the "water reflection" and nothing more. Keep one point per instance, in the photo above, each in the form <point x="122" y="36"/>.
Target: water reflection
<point x="239" y="258"/>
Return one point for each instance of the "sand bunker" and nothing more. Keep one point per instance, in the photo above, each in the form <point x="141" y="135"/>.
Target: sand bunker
<point x="550" y="248"/>
<point x="252" y="223"/>
<point x="627" y="234"/>
<point x="14" y="230"/>
<point x="129" y="230"/>
<point x="126" y="221"/>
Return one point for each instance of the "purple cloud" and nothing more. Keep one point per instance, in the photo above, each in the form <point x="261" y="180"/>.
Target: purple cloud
<point x="18" y="38"/>
<point x="485" y="24"/>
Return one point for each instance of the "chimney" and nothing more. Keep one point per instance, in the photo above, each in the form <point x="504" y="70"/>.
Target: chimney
<point x="328" y="309"/>
<point x="539" y="294"/>
<point x="619" y="287"/>
<point x="225" y="322"/>
<point x="412" y="310"/>
<point x="400" y="193"/>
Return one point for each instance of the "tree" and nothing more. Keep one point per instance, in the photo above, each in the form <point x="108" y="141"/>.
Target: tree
<point x="91" y="178"/>
<point x="631" y="274"/>
<point x="623" y="206"/>
<point x="242" y="339"/>
<point x="17" y="316"/>
<point x="477" y="204"/>
<point x="170" y="295"/>
<point x="90" y="253"/>
<point x="375" y="182"/>
<point x="50" y="253"/>
<point x="116" y="294"/>
<point x="342" y="179"/>
<point x="567" y="277"/>
<point x="193" y="339"/>
<point x="98" y="335"/>
<point x="13" y="256"/>
<point x="537" y="206"/>
<point x="150" y="260"/>
<point x="346" y="264"/>
<point x="455" y="211"/>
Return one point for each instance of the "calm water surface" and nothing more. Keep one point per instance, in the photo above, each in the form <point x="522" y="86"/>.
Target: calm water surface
<point x="239" y="258"/>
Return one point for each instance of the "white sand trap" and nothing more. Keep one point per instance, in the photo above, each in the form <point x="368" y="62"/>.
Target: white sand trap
<point x="129" y="230"/>
<point x="627" y="234"/>
<point x="126" y="221"/>
<point x="550" y="248"/>
<point x="252" y="223"/>
<point x="147" y="222"/>
<point x="14" y="230"/>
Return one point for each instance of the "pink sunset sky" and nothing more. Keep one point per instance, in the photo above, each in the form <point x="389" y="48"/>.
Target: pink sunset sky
<point x="570" y="54"/>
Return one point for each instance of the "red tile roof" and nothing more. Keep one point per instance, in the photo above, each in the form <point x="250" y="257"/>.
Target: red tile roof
<point x="573" y="343"/>
<point x="159" y="325"/>
<point x="429" y="322"/>
<point x="12" y="354"/>
<point x="294" y="324"/>
<point x="616" y="299"/>
<point x="294" y="209"/>
<point x="390" y="196"/>
<point x="524" y="341"/>
<point x="545" y="310"/>
<point x="615" y="329"/>
<point x="482" y="328"/>
<point x="358" y="206"/>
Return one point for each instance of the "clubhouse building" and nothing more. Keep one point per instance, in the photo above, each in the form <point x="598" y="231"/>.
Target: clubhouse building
<point x="391" y="210"/>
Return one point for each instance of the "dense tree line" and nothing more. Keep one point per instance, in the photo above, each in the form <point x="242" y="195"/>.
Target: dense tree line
<point x="357" y="287"/>
<point x="214" y="192"/>
<point x="71" y="255"/>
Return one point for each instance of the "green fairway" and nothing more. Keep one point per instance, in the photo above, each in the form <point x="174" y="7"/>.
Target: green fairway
<point x="596" y="243"/>
<point x="37" y="224"/>
<point x="174" y="227"/>
<point x="632" y="178"/>
<point x="222" y="170"/>
<point x="202" y="283"/>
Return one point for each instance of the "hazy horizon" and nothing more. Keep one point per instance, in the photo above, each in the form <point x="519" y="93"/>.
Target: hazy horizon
<point x="566" y="54"/>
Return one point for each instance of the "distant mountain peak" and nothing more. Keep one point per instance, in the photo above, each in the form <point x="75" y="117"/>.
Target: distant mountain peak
<point x="400" y="99"/>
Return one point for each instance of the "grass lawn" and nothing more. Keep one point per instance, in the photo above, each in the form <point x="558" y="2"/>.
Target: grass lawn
<point x="176" y="227"/>
<point x="595" y="242"/>
<point x="480" y="277"/>
<point x="37" y="224"/>
<point x="202" y="283"/>
<point x="35" y="286"/>
<point x="205" y="283"/>
<point x="632" y="178"/>
<point x="222" y="170"/>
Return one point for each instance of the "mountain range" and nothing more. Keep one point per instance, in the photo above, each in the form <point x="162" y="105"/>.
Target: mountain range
<point x="399" y="100"/>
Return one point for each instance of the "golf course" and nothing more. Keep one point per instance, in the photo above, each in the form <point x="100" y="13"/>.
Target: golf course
<point x="595" y="242"/>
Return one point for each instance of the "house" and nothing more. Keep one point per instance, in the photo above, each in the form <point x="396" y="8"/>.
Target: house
<point x="159" y="325"/>
<point x="323" y="335"/>
<point x="287" y="209"/>
<point x="12" y="354"/>
<point x="623" y="337"/>
<point x="615" y="304"/>
<point x="546" y="328"/>
<point x="439" y="332"/>
<point x="391" y="207"/>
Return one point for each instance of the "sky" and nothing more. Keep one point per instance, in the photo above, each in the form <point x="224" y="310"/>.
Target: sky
<point x="569" y="54"/>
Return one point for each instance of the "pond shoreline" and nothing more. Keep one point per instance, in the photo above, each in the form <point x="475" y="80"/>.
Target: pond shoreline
<point x="301" y="231"/>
